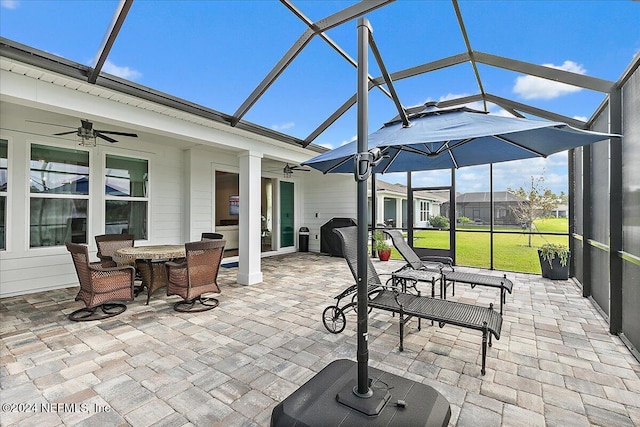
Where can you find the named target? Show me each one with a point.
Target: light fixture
(287, 171)
(86, 137)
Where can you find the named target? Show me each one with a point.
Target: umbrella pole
(364, 31)
(361, 397)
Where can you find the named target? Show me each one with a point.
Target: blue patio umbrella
(453, 138)
(437, 139)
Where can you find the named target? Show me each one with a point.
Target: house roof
(401, 191)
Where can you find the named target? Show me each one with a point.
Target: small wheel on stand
(334, 319)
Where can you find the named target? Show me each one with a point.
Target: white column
(399, 219)
(249, 271)
(380, 210)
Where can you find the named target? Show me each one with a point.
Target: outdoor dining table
(149, 261)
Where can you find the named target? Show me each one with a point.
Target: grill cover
(329, 241)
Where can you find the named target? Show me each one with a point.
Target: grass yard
(511, 250)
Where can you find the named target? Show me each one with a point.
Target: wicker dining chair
(212, 236)
(196, 276)
(103, 288)
(108, 244)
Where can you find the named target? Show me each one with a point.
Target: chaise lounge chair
(448, 275)
(408, 305)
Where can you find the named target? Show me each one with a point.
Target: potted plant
(381, 246)
(554, 261)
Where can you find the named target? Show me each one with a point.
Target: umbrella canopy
(453, 138)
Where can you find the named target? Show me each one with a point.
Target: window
(59, 189)
(126, 193)
(3, 192)
(424, 210)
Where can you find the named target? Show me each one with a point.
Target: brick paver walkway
(554, 365)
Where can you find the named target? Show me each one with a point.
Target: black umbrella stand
(347, 393)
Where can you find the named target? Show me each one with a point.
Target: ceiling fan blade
(50, 124)
(132, 135)
(300, 168)
(105, 137)
(65, 133)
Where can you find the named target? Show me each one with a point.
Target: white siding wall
(24, 269)
(181, 190)
(328, 196)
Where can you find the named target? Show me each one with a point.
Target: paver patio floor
(554, 365)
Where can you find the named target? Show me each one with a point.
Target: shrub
(464, 220)
(439, 221)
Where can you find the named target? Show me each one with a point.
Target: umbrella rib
(337, 165)
(448, 147)
(453, 159)
(397, 153)
(515, 144)
(414, 150)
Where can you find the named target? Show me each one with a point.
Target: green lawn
(511, 250)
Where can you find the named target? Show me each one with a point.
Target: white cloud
(118, 71)
(530, 87)
(9, 4)
(283, 126)
(581, 118)
(346, 141)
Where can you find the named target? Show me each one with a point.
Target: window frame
(31, 196)
(130, 154)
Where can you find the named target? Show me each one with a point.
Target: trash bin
(303, 239)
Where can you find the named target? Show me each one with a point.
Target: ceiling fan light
(86, 140)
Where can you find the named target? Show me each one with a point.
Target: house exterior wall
(183, 153)
(324, 197)
(24, 269)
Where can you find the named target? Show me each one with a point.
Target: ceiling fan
(288, 170)
(88, 134)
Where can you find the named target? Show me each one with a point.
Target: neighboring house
(187, 172)
(477, 207)
(560, 211)
(392, 202)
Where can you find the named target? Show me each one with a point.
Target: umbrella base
(316, 402)
(371, 404)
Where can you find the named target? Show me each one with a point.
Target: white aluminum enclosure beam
(109, 38)
(320, 26)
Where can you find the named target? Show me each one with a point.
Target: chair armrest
(104, 257)
(170, 264)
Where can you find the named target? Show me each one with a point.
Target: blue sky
(216, 52)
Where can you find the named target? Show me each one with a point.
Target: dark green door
(286, 214)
